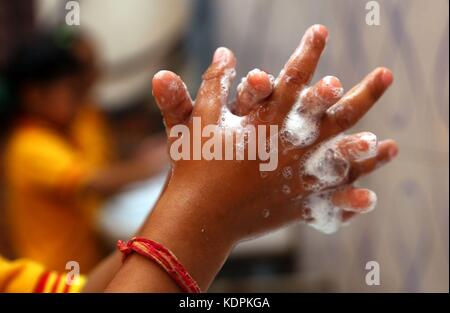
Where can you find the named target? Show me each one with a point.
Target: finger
(347, 216)
(300, 68)
(257, 86)
(386, 151)
(213, 92)
(346, 112)
(318, 98)
(172, 97)
(358, 147)
(358, 200)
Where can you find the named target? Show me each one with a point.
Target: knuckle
(213, 72)
(297, 76)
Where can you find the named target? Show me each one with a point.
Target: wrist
(181, 221)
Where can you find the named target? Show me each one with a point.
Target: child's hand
(315, 170)
(208, 206)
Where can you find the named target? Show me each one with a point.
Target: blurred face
(55, 102)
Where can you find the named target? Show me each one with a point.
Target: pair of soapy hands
(317, 165)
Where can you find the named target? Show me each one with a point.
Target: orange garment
(92, 134)
(49, 221)
(28, 276)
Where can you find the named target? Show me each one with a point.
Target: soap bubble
(266, 213)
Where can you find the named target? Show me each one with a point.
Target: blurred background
(408, 233)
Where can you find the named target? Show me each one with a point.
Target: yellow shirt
(28, 276)
(48, 220)
(91, 132)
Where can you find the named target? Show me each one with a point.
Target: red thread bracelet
(164, 257)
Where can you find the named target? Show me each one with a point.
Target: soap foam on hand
(225, 83)
(360, 146)
(330, 168)
(327, 163)
(327, 217)
(302, 123)
(300, 128)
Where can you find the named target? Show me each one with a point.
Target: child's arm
(208, 206)
(150, 159)
(114, 178)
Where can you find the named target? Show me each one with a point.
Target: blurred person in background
(90, 126)
(52, 176)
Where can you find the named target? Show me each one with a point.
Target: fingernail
(162, 75)
(332, 81)
(372, 144)
(255, 72)
(221, 55)
(321, 30)
(386, 77)
(372, 197)
(393, 151)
